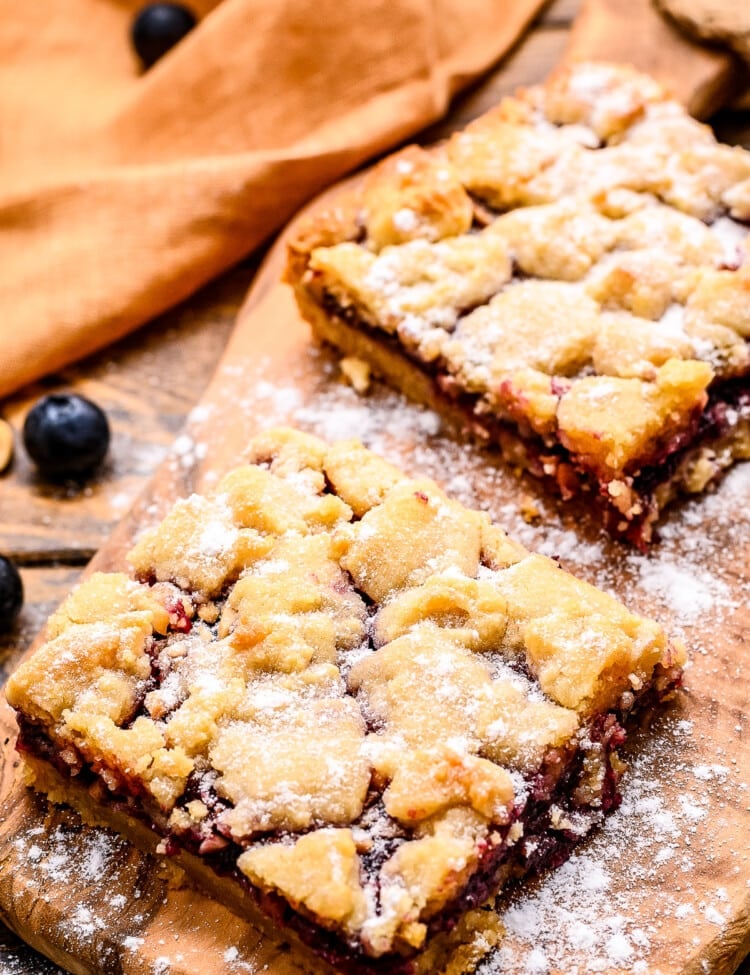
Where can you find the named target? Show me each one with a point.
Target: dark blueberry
(11, 594)
(157, 28)
(66, 435)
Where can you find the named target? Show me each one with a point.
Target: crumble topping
(605, 257)
(357, 726)
(415, 195)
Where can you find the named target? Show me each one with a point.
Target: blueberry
(66, 435)
(11, 593)
(157, 28)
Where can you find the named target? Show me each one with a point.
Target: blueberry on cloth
(157, 28)
(11, 593)
(66, 435)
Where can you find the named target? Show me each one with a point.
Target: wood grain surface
(149, 383)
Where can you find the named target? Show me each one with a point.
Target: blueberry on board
(66, 435)
(11, 593)
(157, 28)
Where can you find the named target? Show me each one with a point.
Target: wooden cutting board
(664, 886)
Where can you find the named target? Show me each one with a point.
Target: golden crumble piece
(103, 663)
(274, 505)
(474, 611)
(477, 713)
(111, 596)
(268, 694)
(425, 782)
(359, 477)
(357, 373)
(414, 194)
(667, 127)
(607, 98)
(300, 579)
(519, 732)
(721, 298)
(198, 546)
(194, 725)
(208, 683)
(286, 645)
(404, 679)
(616, 202)
(425, 873)
(289, 453)
(408, 892)
(323, 228)
(300, 767)
(220, 686)
(496, 158)
(632, 347)
(585, 662)
(612, 423)
(559, 323)
(135, 752)
(613, 644)
(477, 933)
(418, 283)
(536, 585)
(591, 175)
(415, 533)
(640, 282)
(318, 874)
(557, 240)
(722, 347)
(669, 232)
(530, 397)
(498, 550)
(701, 176)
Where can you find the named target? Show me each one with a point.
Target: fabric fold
(123, 192)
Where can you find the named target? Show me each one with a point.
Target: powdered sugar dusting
(99, 874)
(652, 869)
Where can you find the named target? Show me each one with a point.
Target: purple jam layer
(542, 846)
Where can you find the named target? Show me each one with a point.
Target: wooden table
(149, 383)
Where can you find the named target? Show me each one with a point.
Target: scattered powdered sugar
(187, 452)
(689, 591)
(607, 907)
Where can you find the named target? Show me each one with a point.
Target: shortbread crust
(354, 701)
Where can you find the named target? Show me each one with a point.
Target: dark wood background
(148, 384)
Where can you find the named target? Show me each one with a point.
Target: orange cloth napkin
(122, 192)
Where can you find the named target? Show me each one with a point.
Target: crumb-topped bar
(353, 704)
(568, 278)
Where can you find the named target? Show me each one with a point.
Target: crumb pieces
(529, 509)
(357, 373)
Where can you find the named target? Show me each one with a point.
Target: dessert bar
(343, 702)
(567, 278)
